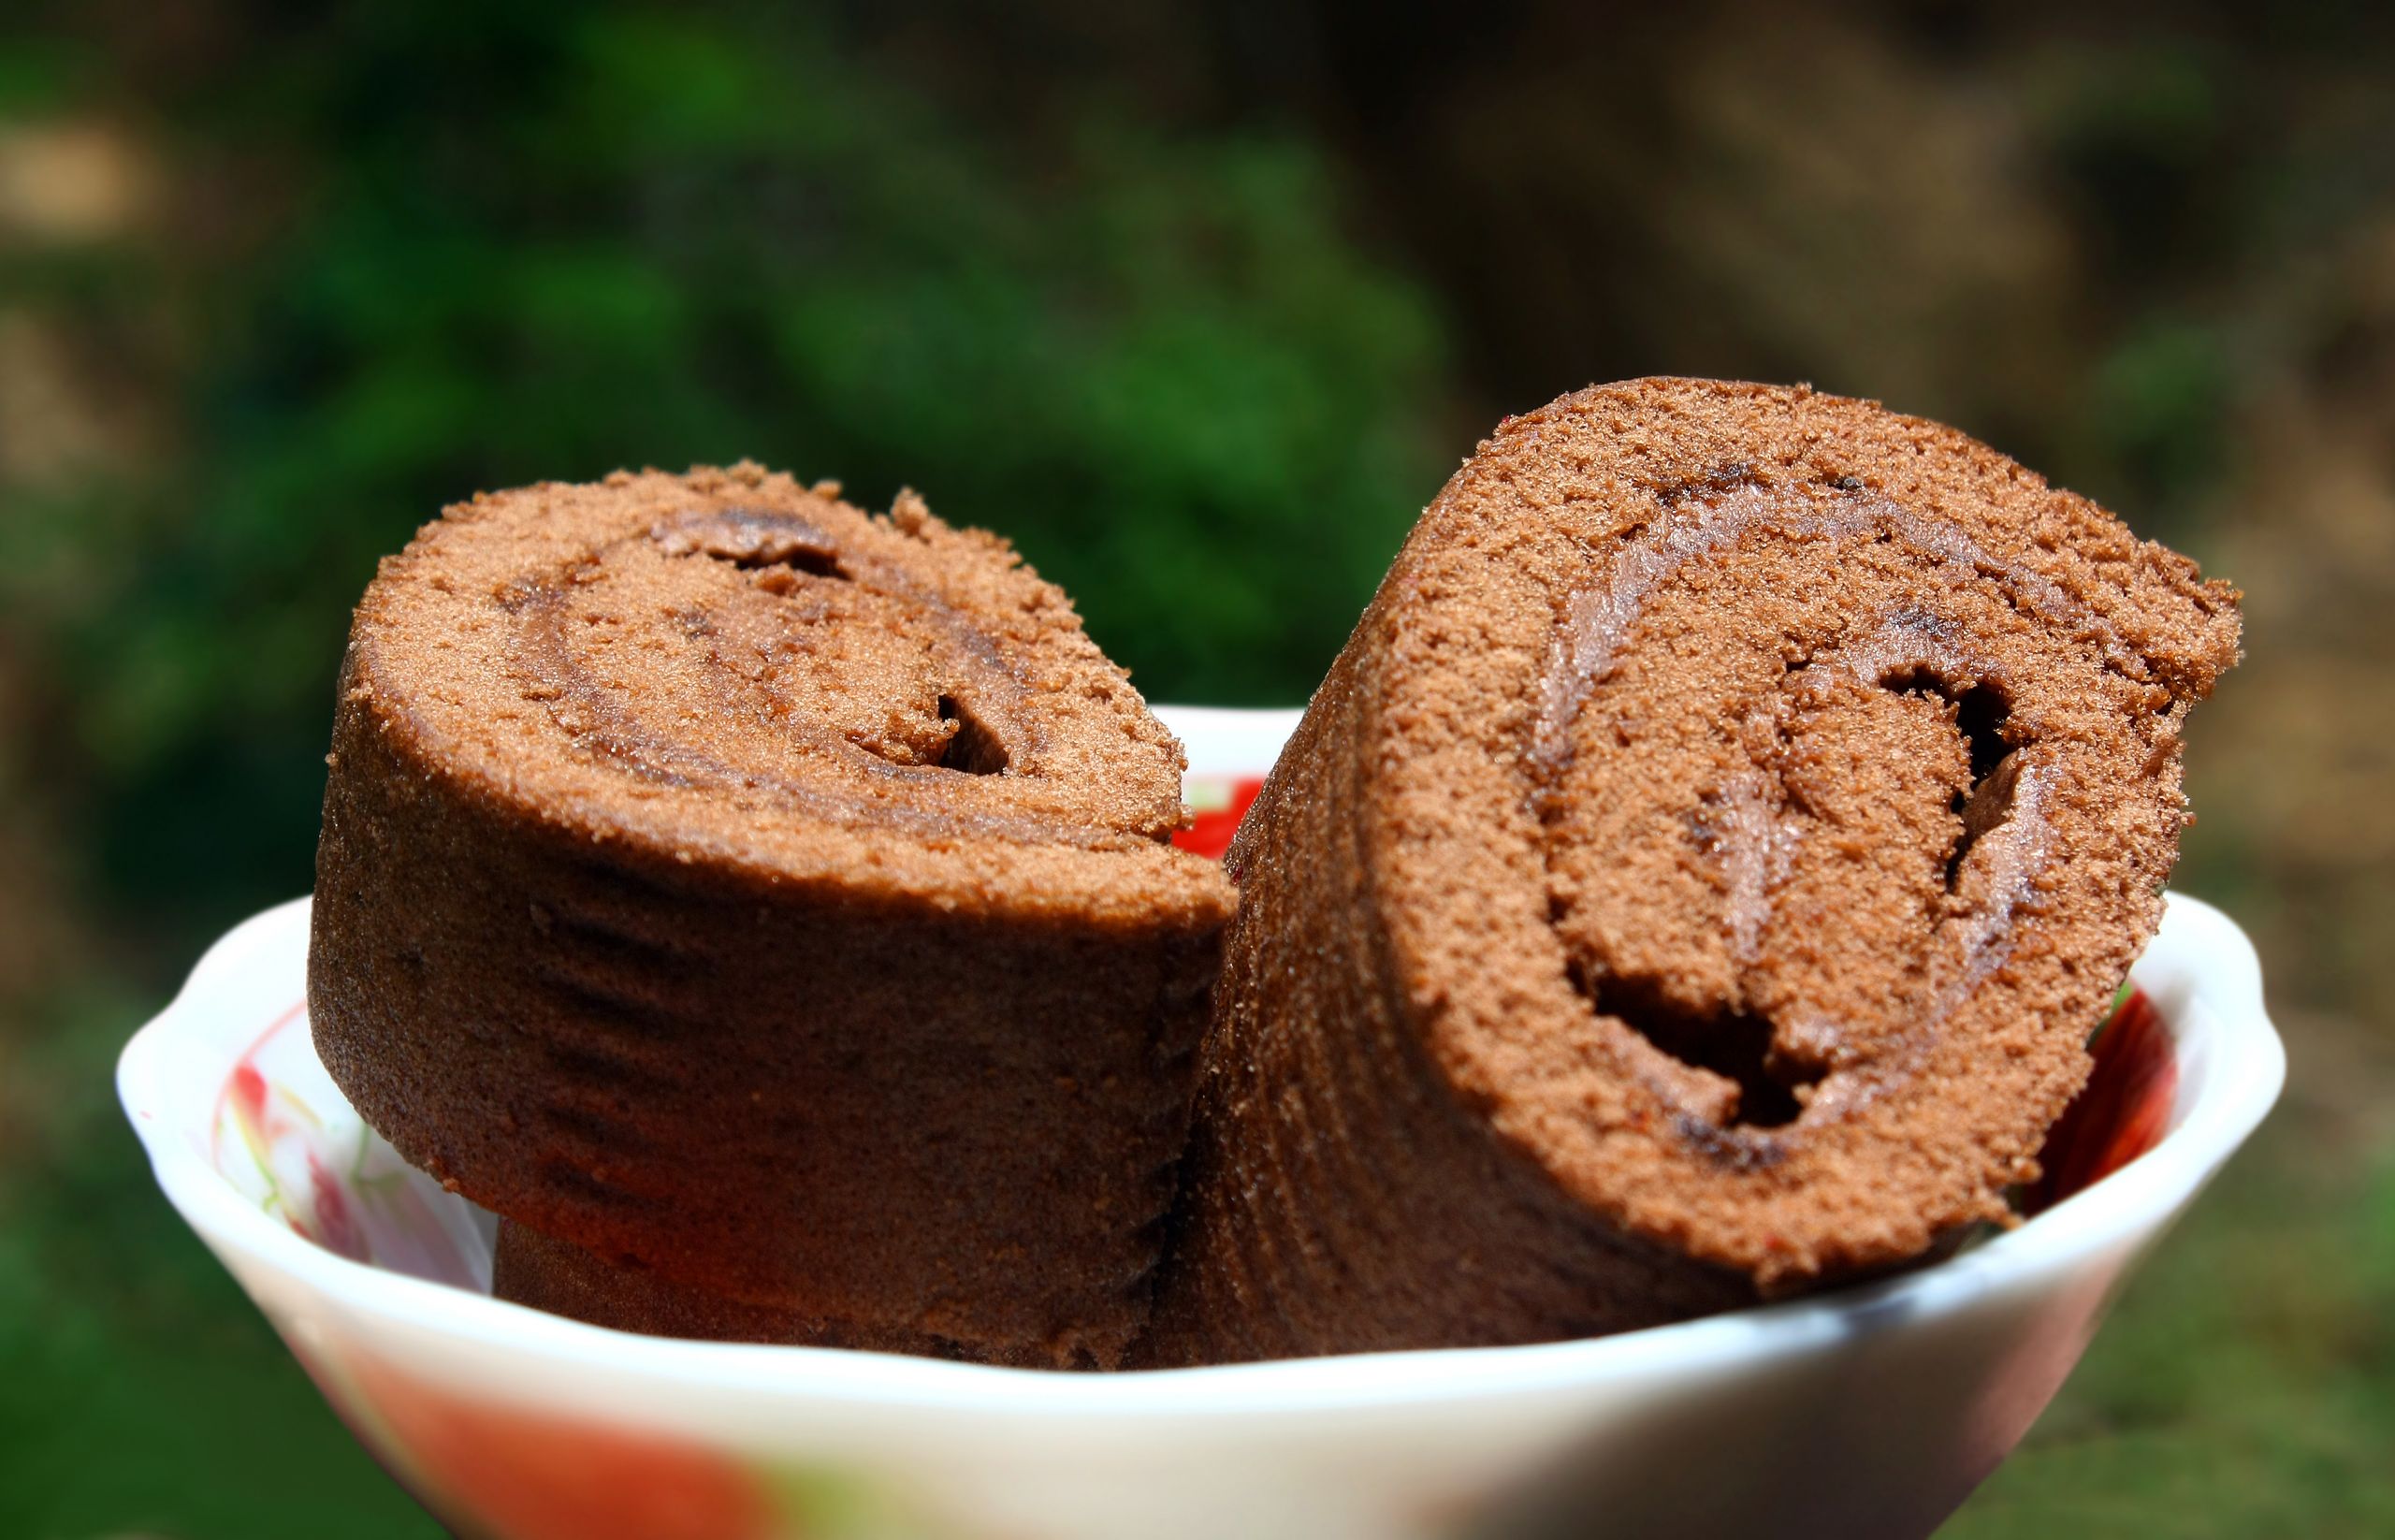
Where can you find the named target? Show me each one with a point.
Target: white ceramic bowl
(1869, 1412)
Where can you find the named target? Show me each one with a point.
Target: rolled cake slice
(772, 902)
(1697, 879)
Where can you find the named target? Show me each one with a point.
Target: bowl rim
(2221, 1021)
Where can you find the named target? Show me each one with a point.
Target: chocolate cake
(770, 909)
(1696, 880)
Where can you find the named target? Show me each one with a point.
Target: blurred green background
(1200, 304)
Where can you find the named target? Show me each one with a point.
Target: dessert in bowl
(1869, 1411)
(1694, 888)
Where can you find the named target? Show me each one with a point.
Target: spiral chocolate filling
(816, 671)
(1697, 877)
(1903, 681)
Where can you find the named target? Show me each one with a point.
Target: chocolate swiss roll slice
(770, 910)
(1696, 880)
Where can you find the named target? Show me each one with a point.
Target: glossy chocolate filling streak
(775, 629)
(1745, 1075)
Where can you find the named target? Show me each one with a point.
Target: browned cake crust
(1698, 877)
(771, 898)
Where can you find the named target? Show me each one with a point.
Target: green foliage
(518, 250)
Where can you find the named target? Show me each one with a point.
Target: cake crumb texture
(1695, 881)
(772, 900)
